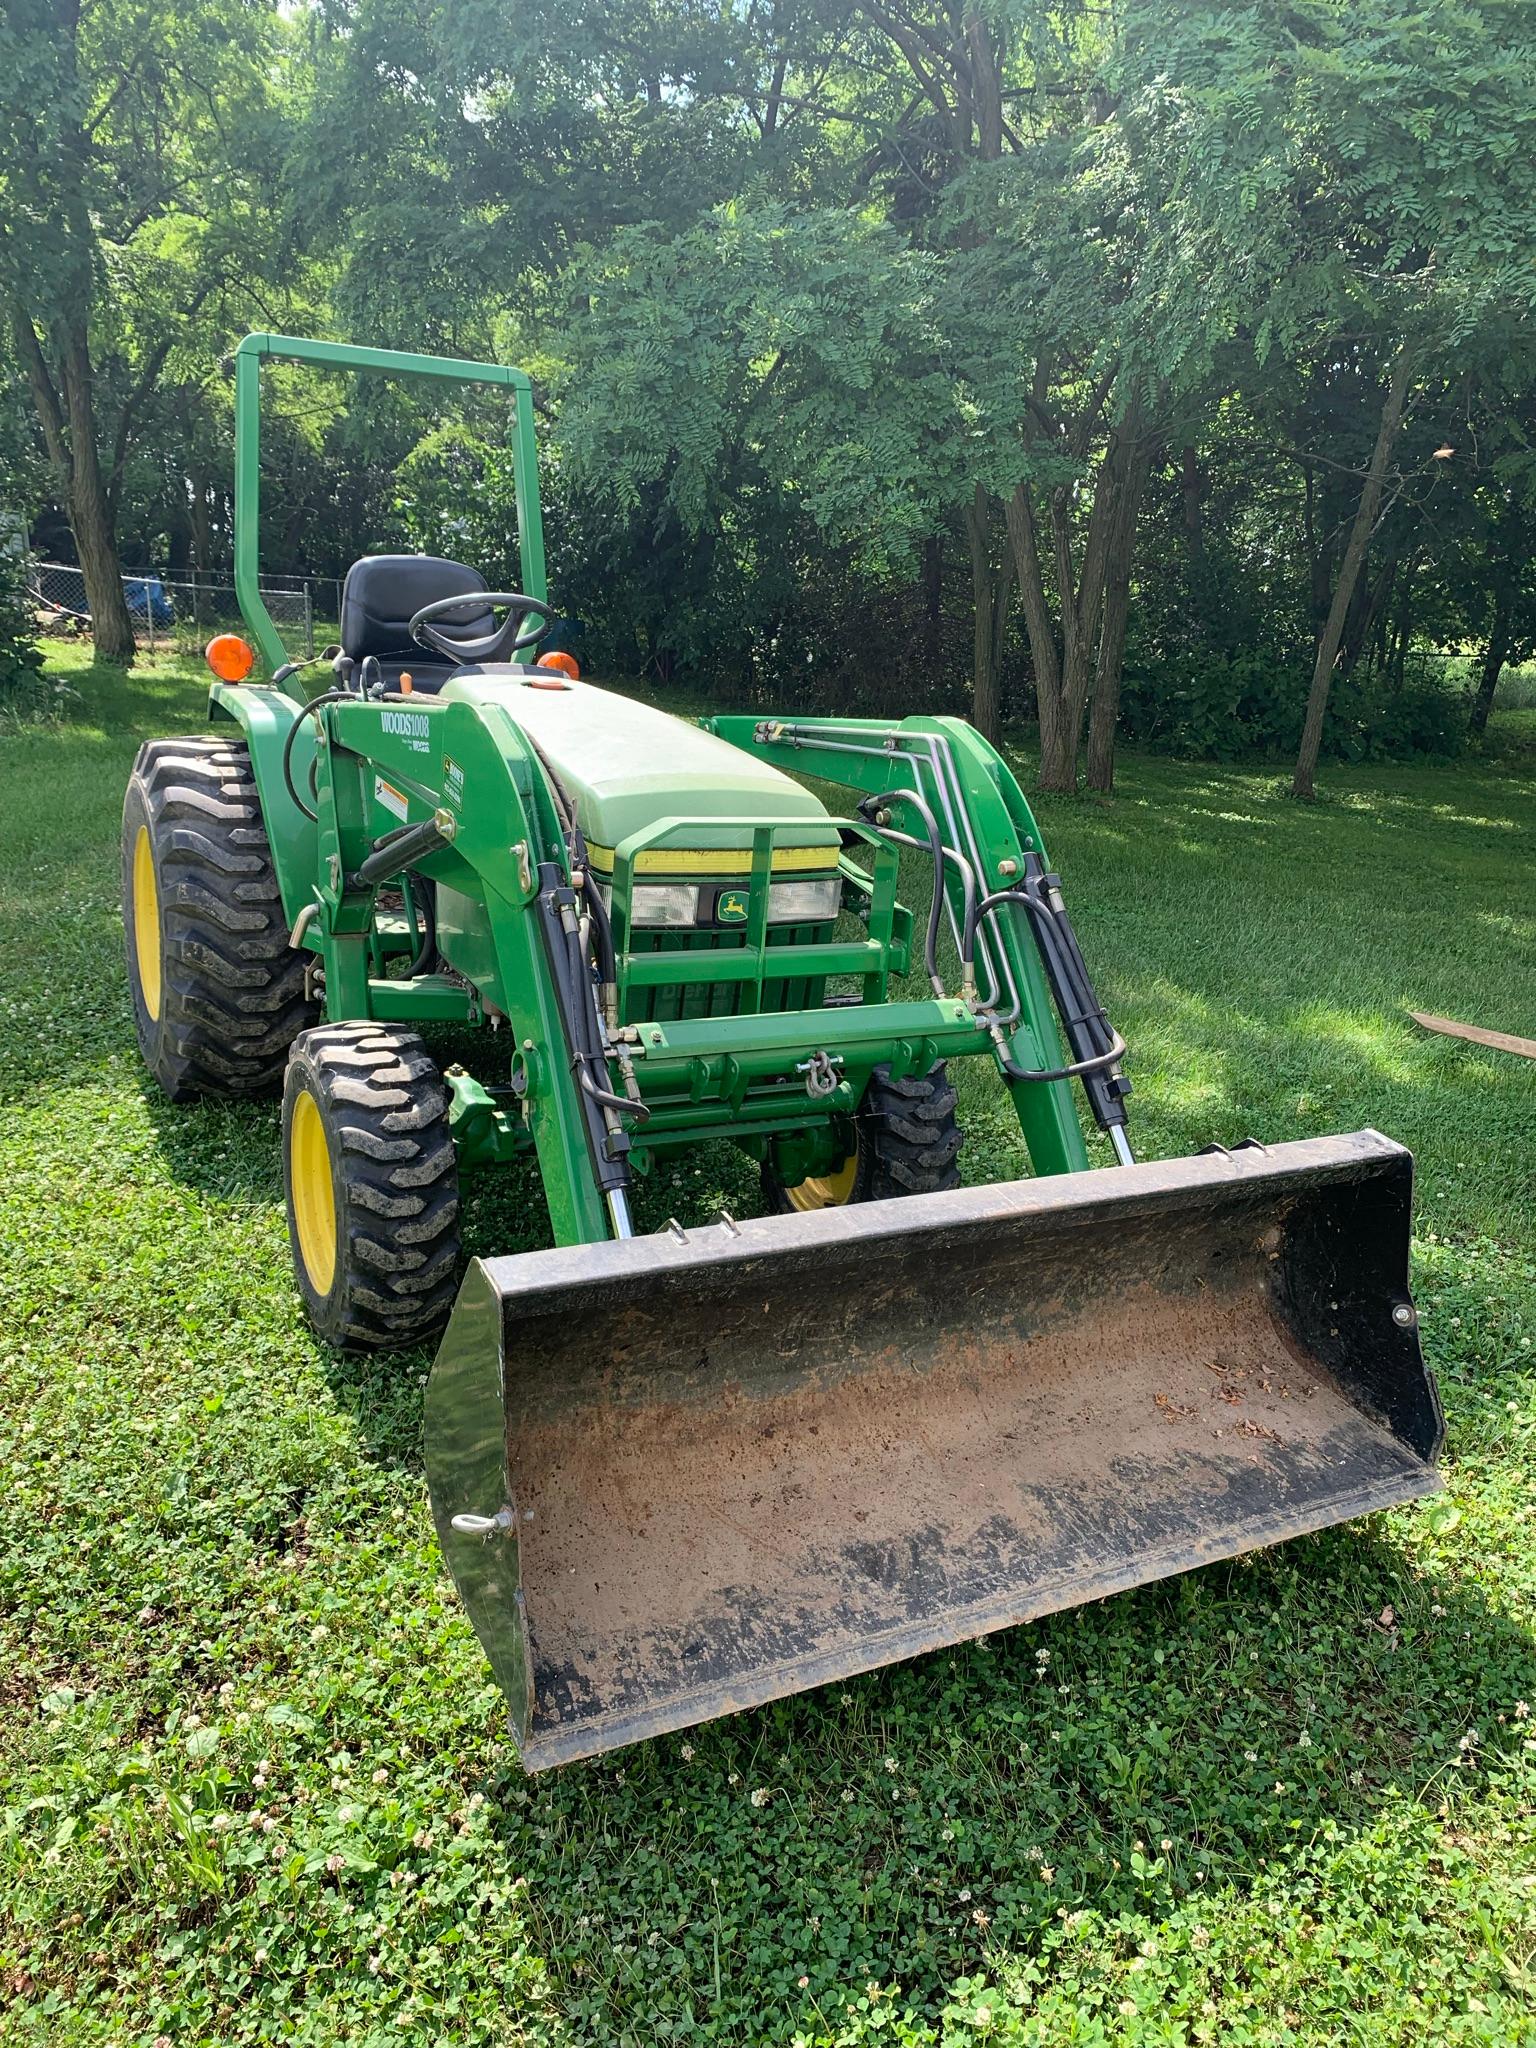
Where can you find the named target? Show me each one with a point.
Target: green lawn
(254, 1782)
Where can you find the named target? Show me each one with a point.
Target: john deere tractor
(675, 1475)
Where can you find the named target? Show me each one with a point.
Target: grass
(254, 1783)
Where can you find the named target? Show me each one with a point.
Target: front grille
(721, 998)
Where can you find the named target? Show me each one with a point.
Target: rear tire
(372, 1186)
(906, 1141)
(218, 993)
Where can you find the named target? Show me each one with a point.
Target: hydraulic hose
(1081, 1011)
(935, 848)
(423, 901)
(314, 704)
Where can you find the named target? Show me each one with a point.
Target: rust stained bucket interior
(758, 1460)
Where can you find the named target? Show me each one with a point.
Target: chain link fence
(183, 614)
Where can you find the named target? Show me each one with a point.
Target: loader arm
(985, 822)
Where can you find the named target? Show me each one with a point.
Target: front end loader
(675, 1475)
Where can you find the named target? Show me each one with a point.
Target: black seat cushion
(383, 593)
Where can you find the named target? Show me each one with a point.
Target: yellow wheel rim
(311, 1192)
(826, 1190)
(146, 922)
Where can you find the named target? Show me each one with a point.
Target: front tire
(906, 1138)
(218, 993)
(372, 1186)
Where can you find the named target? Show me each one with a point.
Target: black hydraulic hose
(1062, 970)
(602, 930)
(314, 704)
(422, 897)
(589, 1053)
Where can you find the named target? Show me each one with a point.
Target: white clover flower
(687, 1752)
(760, 1795)
(891, 1764)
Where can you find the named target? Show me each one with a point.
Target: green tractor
(675, 1475)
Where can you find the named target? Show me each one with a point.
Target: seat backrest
(383, 593)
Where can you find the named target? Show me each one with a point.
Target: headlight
(655, 904)
(805, 902)
(670, 906)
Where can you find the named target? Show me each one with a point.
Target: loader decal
(410, 725)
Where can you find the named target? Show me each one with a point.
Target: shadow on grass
(1159, 1749)
(1133, 1760)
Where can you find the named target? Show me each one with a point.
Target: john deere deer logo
(731, 906)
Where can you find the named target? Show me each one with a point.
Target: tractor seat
(383, 593)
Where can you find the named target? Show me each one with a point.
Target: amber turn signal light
(567, 664)
(230, 657)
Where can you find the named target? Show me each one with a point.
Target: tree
(1367, 175)
(763, 380)
(135, 218)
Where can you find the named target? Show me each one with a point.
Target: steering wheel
(508, 639)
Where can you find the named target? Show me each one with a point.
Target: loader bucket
(730, 1466)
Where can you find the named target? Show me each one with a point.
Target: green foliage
(25, 692)
(789, 300)
(255, 1785)
(1220, 707)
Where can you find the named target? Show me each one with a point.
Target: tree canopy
(1142, 368)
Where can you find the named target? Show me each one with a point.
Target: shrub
(1219, 706)
(26, 694)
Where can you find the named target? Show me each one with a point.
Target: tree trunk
(932, 593)
(201, 529)
(1303, 783)
(1494, 657)
(991, 594)
(1064, 670)
(1190, 491)
(1105, 716)
(65, 402)
(1370, 592)
(90, 519)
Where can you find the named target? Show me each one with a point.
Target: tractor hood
(628, 765)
